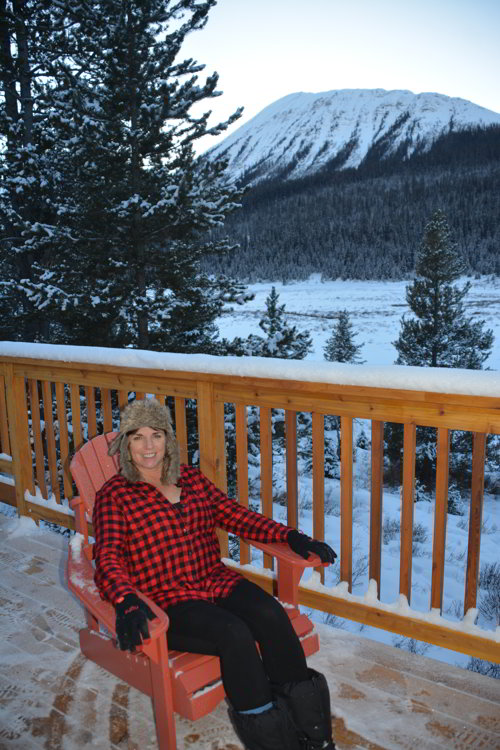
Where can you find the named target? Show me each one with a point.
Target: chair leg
(163, 706)
(92, 622)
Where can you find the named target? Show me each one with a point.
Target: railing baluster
(212, 444)
(475, 519)
(37, 436)
(377, 469)
(181, 427)
(122, 399)
(107, 410)
(440, 518)
(346, 500)
(242, 469)
(406, 556)
(318, 475)
(76, 416)
(220, 446)
(291, 468)
(63, 439)
(266, 468)
(91, 412)
(50, 439)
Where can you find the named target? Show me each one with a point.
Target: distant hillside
(302, 133)
(365, 220)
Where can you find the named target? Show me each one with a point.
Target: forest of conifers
(367, 223)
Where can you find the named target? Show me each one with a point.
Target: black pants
(229, 629)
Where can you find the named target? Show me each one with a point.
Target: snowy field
(375, 310)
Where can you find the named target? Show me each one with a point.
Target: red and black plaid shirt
(170, 552)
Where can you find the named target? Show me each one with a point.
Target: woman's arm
(111, 576)
(233, 517)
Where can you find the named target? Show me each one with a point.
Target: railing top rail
(475, 383)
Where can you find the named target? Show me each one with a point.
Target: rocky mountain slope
(303, 133)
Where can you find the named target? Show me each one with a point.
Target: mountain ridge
(303, 133)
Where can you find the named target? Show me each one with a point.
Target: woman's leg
(280, 647)
(205, 628)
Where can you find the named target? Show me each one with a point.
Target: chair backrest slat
(91, 467)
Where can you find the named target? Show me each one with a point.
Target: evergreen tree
(440, 333)
(28, 47)
(282, 340)
(126, 208)
(340, 347)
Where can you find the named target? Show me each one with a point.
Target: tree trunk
(24, 71)
(7, 69)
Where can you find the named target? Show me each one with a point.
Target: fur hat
(147, 412)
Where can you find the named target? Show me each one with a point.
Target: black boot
(309, 706)
(271, 730)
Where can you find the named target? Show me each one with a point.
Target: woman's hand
(132, 615)
(303, 545)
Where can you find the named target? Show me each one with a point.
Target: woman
(154, 526)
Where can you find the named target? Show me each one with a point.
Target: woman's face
(147, 448)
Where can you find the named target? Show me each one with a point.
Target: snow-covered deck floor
(51, 698)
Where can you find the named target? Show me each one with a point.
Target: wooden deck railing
(55, 398)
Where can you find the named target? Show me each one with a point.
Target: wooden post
(17, 411)
(4, 427)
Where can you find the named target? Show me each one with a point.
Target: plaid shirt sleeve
(111, 576)
(237, 519)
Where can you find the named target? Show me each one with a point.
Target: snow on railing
(432, 379)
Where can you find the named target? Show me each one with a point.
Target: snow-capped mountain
(301, 133)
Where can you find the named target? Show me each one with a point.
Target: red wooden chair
(189, 684)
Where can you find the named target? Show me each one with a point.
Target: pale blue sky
(266, 49)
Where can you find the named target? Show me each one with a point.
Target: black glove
(132, 615)
(303, 544)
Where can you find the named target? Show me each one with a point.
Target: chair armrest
(80, 577)
(282, 551)
(77, 504)
(290, 568)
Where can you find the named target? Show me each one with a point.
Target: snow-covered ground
(53, 698)
(375, 310)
